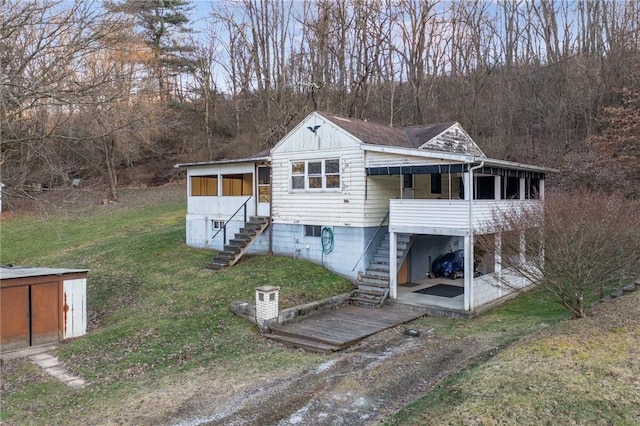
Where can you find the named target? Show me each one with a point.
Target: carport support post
(393, 265)
(497, 266)
(468, 271)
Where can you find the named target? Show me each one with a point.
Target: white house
(370, 202)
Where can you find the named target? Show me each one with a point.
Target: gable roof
(420, 135)
(369, 132)
(447, 141)
(445, 137)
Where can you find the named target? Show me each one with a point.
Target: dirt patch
(361, 385)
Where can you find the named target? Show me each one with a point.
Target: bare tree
(588, 243)
(43, 82)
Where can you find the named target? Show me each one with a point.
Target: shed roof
(260, 156)
(12, 272)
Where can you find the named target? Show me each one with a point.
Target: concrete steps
(373, 287)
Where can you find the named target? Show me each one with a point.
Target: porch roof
(451, 163)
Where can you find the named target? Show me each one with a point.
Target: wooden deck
(339, 328)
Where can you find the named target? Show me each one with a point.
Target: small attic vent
(342, 119)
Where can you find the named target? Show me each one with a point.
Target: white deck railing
(450, 217)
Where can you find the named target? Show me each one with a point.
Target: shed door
(14, 318)
(44, 313)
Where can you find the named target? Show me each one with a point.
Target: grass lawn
(153, 311)
(161, 332)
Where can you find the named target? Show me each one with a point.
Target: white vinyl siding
(451, 217)
(380, 189)
(342, 206)
(326, 137)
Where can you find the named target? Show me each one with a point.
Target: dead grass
(584, 371)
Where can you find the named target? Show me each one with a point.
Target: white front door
(264, 191)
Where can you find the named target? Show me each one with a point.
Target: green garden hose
(327, 240)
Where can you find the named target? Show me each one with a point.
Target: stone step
(368, 293)
(373, 286)
(379, 265)
(378, 258)
(375, 279)
(378, 272)
(386, 246)
(361, 301)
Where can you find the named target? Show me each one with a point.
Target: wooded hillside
(91, 89)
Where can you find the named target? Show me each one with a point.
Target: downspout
(270, 208)
(469, 267)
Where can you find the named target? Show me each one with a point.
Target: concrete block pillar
(266, 304)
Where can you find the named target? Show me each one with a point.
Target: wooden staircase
(373, 287)
(238, 245)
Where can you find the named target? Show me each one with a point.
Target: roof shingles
(406, 137)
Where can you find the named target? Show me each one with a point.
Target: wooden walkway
(339, 328)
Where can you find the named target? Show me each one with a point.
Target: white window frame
(307, 176)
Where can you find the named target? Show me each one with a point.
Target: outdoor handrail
(224, 226)
(371, 240)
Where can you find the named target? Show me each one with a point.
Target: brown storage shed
(41, 305)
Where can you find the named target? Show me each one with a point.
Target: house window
(237, 184)
(204, 186)
(312, 230)
(485, 188)
(533, 189)
(315, 174)
(264, 184)
(511, 188)
(436, 183)
(216, 224)
(407, 181)
(297, 174)
(332, 173)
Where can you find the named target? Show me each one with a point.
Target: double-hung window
(315, 174)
